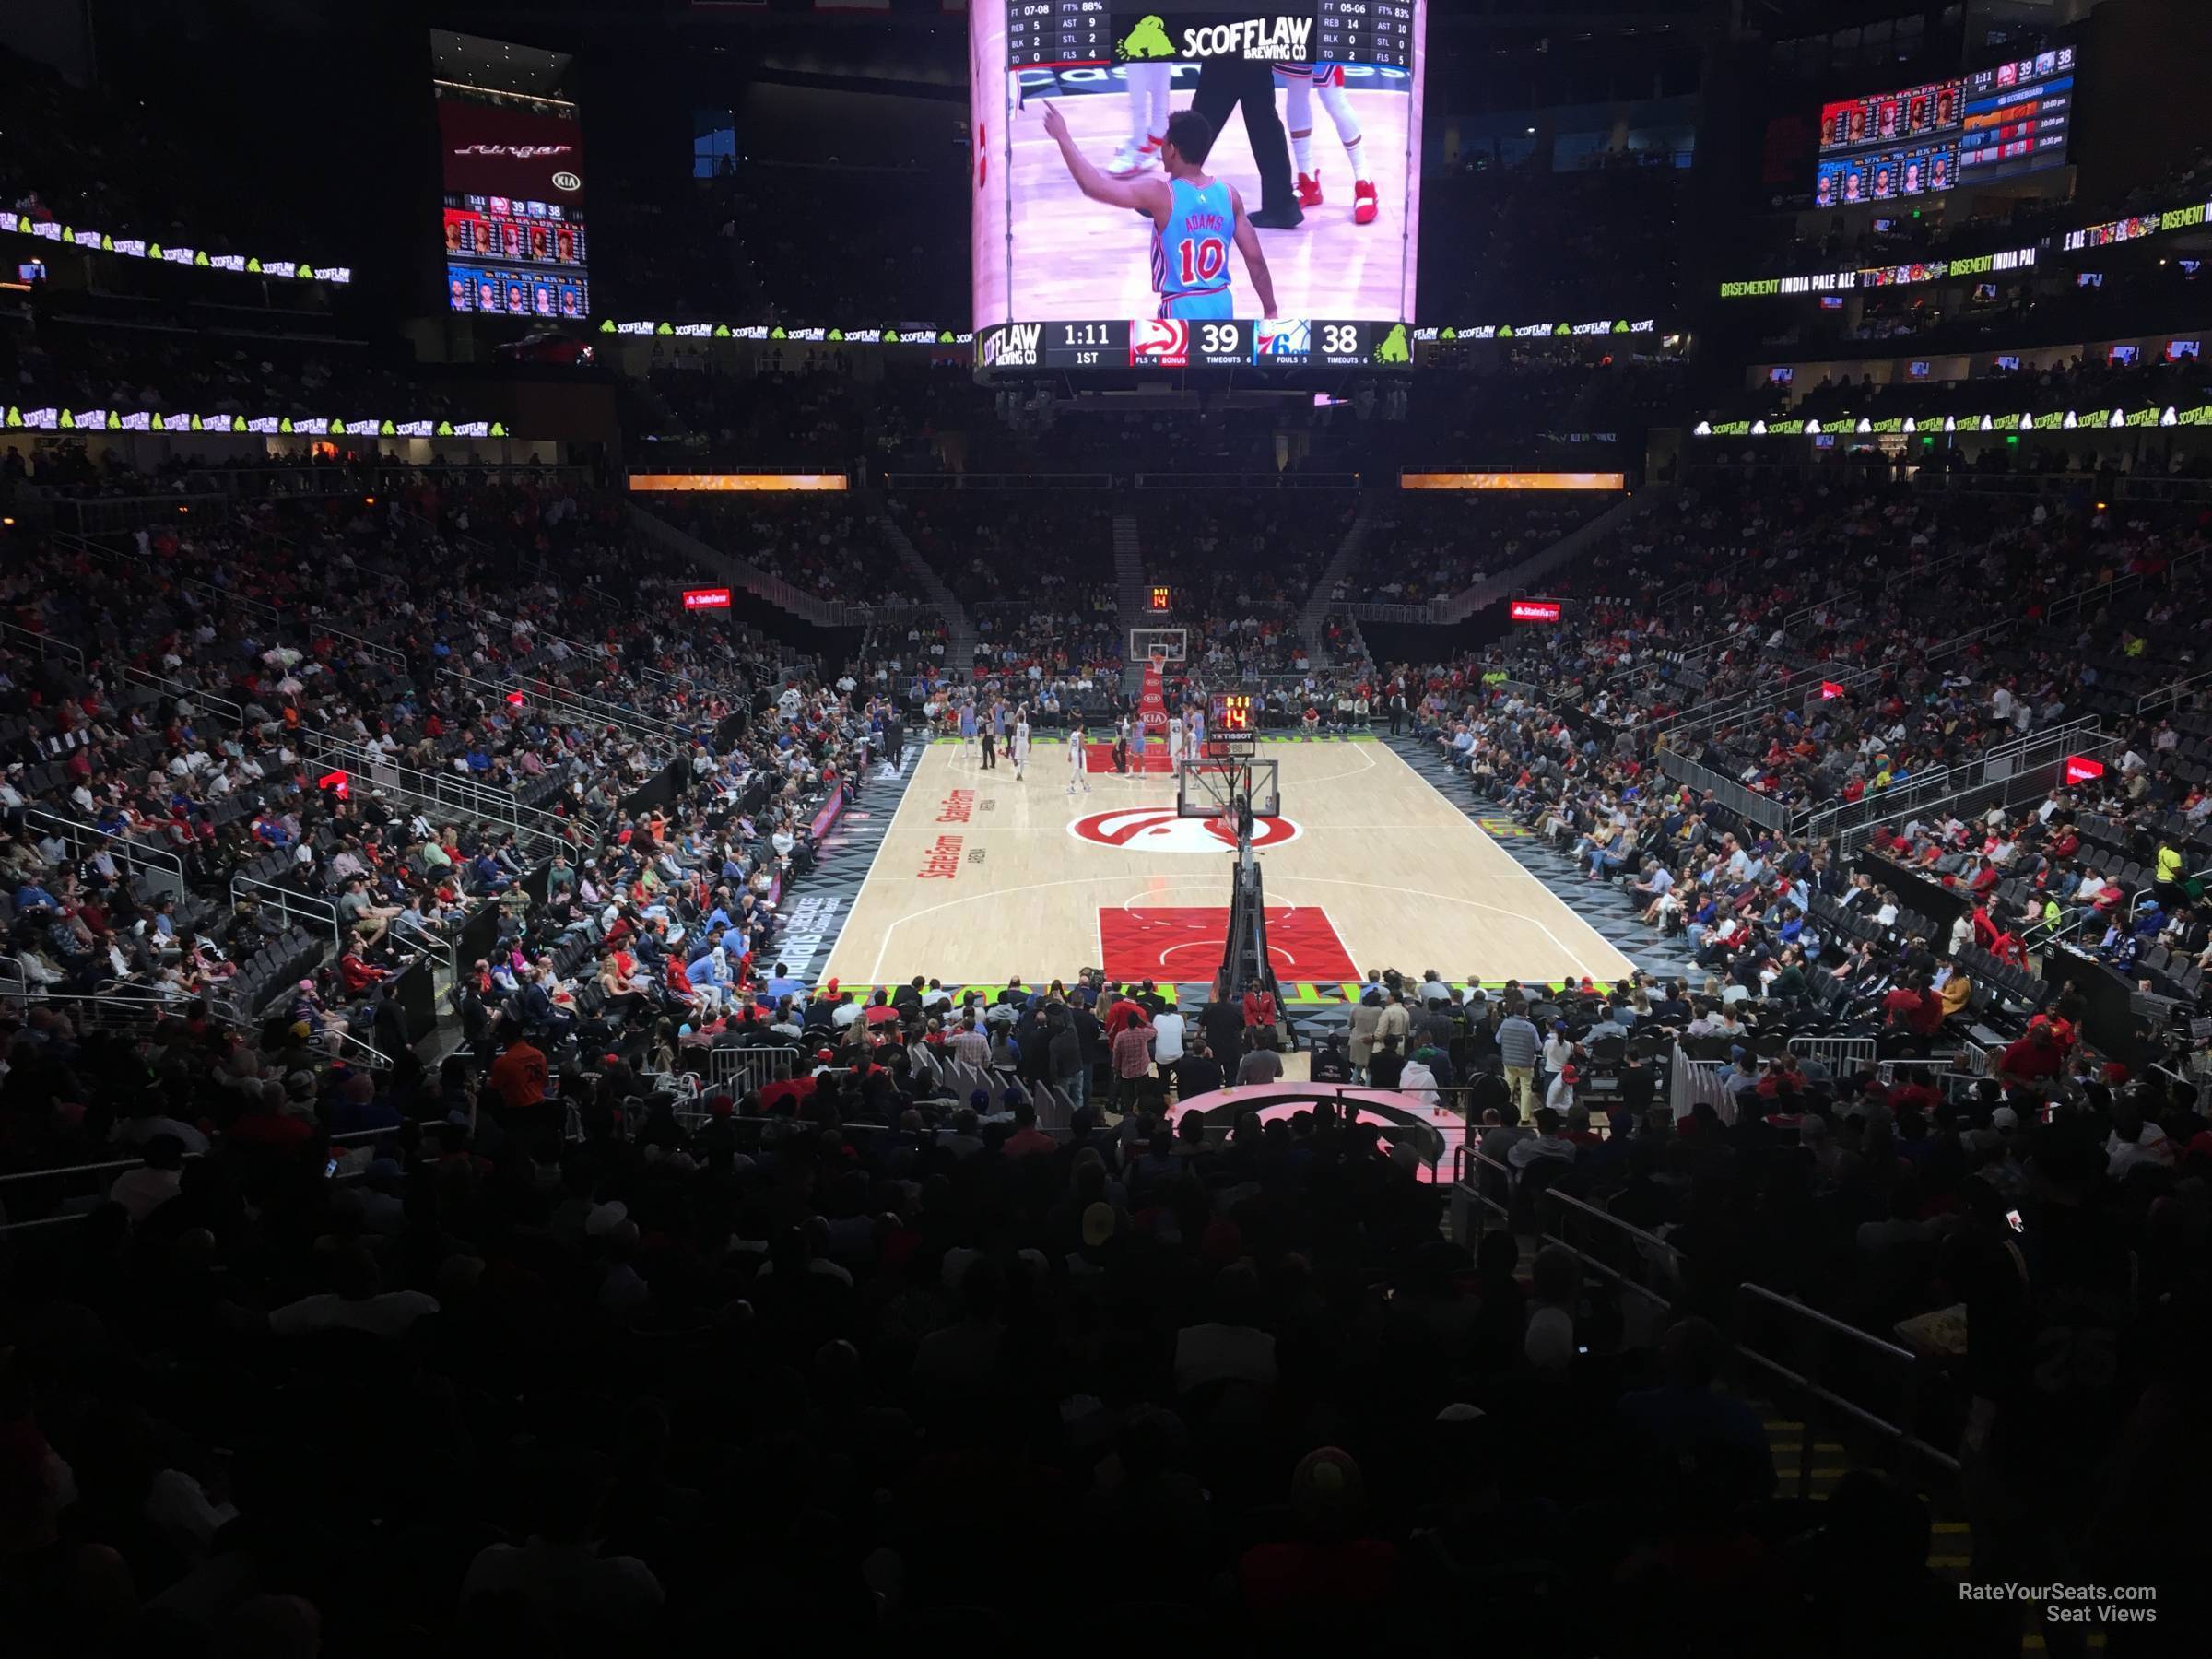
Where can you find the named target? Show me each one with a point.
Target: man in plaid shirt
(1132, 1062)
(970, 1046)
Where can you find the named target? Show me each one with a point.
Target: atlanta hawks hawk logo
(1157, 829)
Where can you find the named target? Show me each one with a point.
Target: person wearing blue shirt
(781, 984)
(478, 762)
(31, 896)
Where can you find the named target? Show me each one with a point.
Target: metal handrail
(1979, 796)
(343, 1137)
(2127, 581)
(43, 643)
(453, 794)
(155, 863)
(310, 910)
(1903, 1437)
(1468, 1159)
(2168, 695)
(222, 707)
(567, 708)
(1924, 787)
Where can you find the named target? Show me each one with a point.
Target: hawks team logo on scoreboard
(1158, 830)
(1160, 342)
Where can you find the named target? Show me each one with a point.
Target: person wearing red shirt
(1985, 930)
(2035, 1058)
(1122, 1014)
(680, 979)
(355, 974)
(1027, 1140)
(1908, 1006)
(275, 1130)
(518, 1076)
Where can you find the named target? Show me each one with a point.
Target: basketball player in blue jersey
(1195, 218)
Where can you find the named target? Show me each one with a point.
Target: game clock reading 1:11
(1092, 221)
(1172, 343)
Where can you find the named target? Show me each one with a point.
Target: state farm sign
(706, 599)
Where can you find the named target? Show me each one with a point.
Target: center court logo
(1158, 830)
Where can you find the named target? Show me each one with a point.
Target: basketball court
(979, 878)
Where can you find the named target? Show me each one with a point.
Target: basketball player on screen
(1148, 85)
(1302, 82)
(1193, 217)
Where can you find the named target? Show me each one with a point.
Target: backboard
(1208, 789)
(1173, 644)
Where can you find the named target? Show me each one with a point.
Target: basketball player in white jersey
(1021, 741)
(1148, 85)
(1079, 768)
(1175, 739)
(1301, 83)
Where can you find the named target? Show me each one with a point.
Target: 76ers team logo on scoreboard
(1159, 343)
(1158, 830)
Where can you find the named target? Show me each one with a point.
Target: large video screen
(1994, 123)
(1217, 184)
(514, 231)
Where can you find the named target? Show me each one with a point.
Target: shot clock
(1229, 724)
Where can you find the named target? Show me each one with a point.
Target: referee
(1223, 84)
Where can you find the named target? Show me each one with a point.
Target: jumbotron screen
(1212, 185)
(514, 234)
(1996, 123)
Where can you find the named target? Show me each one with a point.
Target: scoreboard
(1180, 342)
(1364, 32)
(1058, 33)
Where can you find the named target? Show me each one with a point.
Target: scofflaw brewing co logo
(1158, 830)
(1265, 39)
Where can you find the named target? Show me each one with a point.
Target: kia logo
(567, 181)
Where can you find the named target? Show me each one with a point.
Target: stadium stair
(1542, 566)
(1129, 569)
(1313, 620)
(737, 572)
(1601, 904)
(960, 631)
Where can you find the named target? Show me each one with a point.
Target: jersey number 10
(1203, 259)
